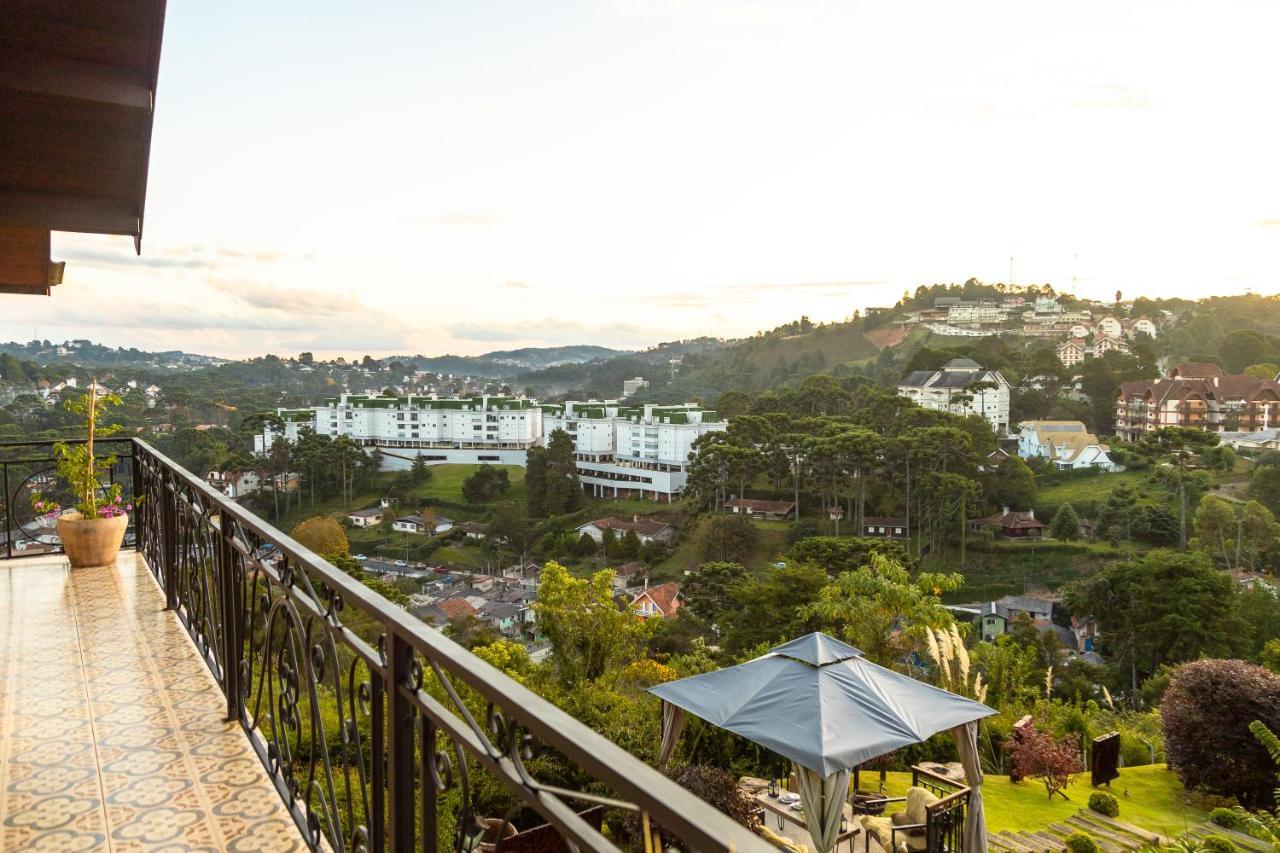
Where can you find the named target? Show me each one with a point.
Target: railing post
(169, 541)
(8, 514)
(426, 783)
(232, 645)
(135, 464)
(400, 732)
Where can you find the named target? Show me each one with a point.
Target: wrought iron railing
(27, 468)
(378, 732)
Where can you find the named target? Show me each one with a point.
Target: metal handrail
(249, 615)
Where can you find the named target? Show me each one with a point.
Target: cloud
(1110, 96)
(515, 285)
(313, 303)
(1269, 223)
(459, 219)
(556, 332)
(115, 259)
(747, 293)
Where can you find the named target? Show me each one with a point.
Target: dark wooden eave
(77, 100)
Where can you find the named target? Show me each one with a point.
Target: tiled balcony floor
(111, 727)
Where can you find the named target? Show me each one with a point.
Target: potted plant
(93, 530)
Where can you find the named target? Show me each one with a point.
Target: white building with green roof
(631, 451)
(444, 429)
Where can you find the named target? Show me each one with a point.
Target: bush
(710, 784)
(1206, 714)
(323, 535)
(1217, 844)
(1104, 804)
(1082, 842)
(1225, 818)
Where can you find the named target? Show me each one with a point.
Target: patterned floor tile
(112, 733)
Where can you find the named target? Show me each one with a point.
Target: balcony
(222, 687)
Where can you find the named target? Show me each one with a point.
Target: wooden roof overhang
(77, 99)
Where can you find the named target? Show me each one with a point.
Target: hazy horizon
(462, 178)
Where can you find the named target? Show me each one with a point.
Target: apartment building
(631, 451)
(442, 429)
(1197, 396)
(962, 387)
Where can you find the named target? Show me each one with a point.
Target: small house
(769, 510)
(662, 601)
(365, 517)
(884, 527)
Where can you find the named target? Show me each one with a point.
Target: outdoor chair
(500, 837)
(931, 821)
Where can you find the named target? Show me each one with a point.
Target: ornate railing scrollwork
(375, 729)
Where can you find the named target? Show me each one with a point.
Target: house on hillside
(993, 618)
(884, 527)
(769, 510)
(1067, 444)
(1011, 525)
(365, 517)
(961, 387)
(410, 524)
(662, 601)
(474, 529)
(645, 529)
(1197, 395)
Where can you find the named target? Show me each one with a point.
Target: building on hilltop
(1067, 444)
(631, 451)
(962, 387)
(1197, 396)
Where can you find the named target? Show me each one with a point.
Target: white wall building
(631, 387)
(1067, 444)
(478, 429)
(631, 451)
(954, 389)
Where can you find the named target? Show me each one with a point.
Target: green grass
(1095, 489)
(446, 483)
(772, 542)
(1150, 797)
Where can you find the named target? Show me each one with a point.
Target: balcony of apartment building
(222, 687)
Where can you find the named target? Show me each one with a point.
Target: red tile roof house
(662, 600)
(646, 529)
(1011, 525)
(772, 510)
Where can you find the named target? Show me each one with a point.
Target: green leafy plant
(1225, 818)
(82, 468)
(1104, 804)
(1217, 844)
(1081, 842)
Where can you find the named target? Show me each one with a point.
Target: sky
(432, 177)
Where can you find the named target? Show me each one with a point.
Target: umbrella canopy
(820, 703)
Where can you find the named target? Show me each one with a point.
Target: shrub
(1206, 714)
(323, 535)
(1082, 842)
(1103, 803)
(713, 786)
(1036, 754)
(1217, 844)
(1225, 818)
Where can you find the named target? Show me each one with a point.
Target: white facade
(467, 423)
(631, 387)
(1067, 444)
(631, 450)
(953, 389)
(1111, 326)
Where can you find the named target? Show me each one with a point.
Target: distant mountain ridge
(503, 363)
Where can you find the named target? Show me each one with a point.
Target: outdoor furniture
(782, 814)
(820, 703)
(500, 835)
(931, 822)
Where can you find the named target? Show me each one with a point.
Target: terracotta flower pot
(91, 541)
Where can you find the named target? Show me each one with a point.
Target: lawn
(1091, 489)
(1150, 797)
(772, 542)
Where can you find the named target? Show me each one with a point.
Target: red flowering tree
(1036, 754)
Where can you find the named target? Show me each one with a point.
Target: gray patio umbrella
(820, 703)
